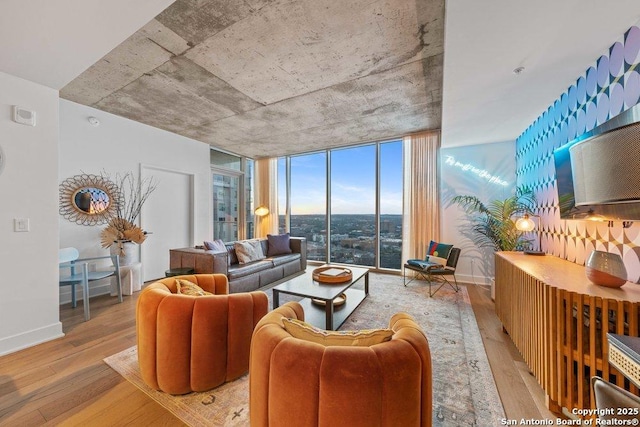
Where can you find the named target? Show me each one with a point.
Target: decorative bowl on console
(606, 269)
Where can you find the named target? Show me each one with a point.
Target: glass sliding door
(248, 199)
(390, 227)
(232, 178)
(225, 206)
(309, 202)
(353, 205)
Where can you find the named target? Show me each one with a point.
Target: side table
(130, 277)
(624, 355)
(179, 271)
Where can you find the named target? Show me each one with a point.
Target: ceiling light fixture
(518, 71)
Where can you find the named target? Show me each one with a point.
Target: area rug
(464, 392)
(227, 405)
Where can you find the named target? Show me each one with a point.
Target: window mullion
(377, 210)
(328, 204)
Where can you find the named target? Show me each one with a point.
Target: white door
(168, 215)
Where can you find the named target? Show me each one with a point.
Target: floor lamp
(261, 229)
(526, 224)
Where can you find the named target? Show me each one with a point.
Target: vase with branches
(493, 224)
(121, 227)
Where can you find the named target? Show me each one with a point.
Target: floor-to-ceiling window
(282, 194)
(232, 178)
(308, 202)
(353, 205)
(248, 198)
(363, 197)
(390, 226)
(225, 206)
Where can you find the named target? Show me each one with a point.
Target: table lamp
(526, 224)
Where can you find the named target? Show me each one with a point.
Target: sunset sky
(352, 181)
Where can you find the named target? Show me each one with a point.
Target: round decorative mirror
(91, 200)
(88, 199)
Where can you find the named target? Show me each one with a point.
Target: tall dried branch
(133, 193)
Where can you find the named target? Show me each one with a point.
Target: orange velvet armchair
(195, 343)
(297, 382)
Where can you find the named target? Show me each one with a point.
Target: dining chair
(609, 396)
(75, 271)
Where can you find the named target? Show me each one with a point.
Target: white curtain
(421, 211)
(266, 194)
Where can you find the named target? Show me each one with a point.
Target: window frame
(242, 185)
(377, 214)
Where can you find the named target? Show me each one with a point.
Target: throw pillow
(437, 260)
(362, 338)
(278, 244)
(217, 245)
(233, 258)
(248, 251)
(186, 287)
(439, 250)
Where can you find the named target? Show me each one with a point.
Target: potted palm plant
(493, 224)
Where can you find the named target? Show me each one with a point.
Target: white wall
(476, 265)
(29, 312)
(120, 145)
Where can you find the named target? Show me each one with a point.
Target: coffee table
(328, 316)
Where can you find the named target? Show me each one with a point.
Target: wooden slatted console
(559, 322)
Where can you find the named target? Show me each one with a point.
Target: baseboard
(30, 338)
(94, 291)
(473, 280)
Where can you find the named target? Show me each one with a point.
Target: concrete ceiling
(287, 76)
(274, 77)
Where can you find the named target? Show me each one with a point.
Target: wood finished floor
(65, 382)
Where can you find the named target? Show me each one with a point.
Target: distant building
(387, 226)
(353, 238)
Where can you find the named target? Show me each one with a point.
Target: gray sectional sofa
(243, 277)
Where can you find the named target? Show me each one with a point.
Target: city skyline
(352, 238)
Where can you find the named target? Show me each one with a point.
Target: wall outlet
(21, 224)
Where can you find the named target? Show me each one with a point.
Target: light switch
(20, 224)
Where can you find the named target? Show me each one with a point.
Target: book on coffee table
(333, 272)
